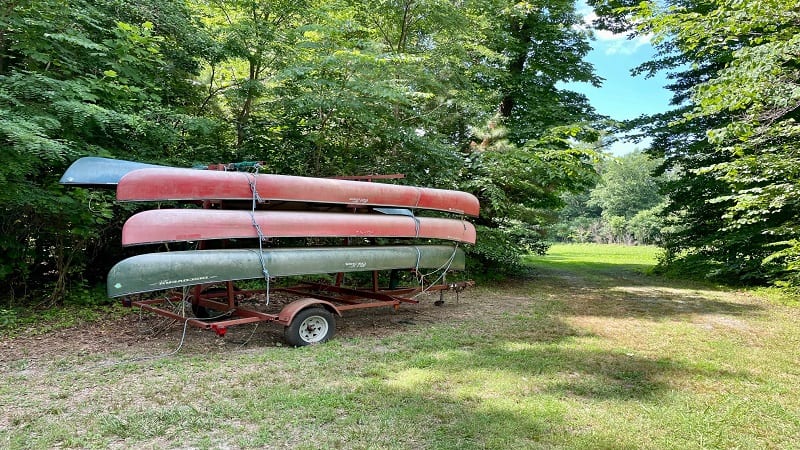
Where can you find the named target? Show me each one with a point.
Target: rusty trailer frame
(308, 320)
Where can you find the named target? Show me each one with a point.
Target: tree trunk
(244, 114)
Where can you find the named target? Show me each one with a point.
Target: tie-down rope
(444, 268)
(252, 180)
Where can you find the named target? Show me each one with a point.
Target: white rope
(252, 179)
(444, 268)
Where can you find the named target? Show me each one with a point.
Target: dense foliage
(732, 140)
(454, 96)
(105, 78)
(623, 207)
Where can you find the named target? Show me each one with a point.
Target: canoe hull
(162, 184)
(157, 271)
(180, 225)
(93, 171)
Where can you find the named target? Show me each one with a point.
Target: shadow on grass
(514, 388)
(547, 349)
(450, 391)
(457, 423)
(614, 290)
(651, 303)
(478, 388)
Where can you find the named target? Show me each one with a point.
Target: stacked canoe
(262, 206)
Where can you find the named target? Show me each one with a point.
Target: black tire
(201, 312)
(310, 326)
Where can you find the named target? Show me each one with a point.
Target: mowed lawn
(587, 352)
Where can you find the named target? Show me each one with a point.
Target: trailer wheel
(310, 326)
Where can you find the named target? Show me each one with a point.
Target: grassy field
(587, 353)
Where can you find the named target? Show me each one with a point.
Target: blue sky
(622, 96)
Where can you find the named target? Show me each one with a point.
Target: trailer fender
(292, 309)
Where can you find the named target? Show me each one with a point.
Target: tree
(647, 226)
(80, 78)
(627, 185)
(542, 48)
(325, 87)
(521, 189)
(620, 207)
(406, 85)
(528, 154)
(736, 197)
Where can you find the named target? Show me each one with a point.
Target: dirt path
(144, 335)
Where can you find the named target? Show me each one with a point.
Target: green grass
(82, 306)
(590, 353)
(598, 256)
(603, 253)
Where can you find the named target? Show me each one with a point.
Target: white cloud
(613, 43)
(625, 46)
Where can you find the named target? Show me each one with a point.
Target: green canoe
(157, 271)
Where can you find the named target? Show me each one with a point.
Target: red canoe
(157, 184)
(178, 225)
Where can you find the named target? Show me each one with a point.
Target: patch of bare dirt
(144, 335)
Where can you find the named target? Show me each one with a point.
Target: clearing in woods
(586, 352)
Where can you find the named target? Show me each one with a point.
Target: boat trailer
(308, 320)
(311, 318)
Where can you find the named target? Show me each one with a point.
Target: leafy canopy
(458, 96)
(734, 140)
